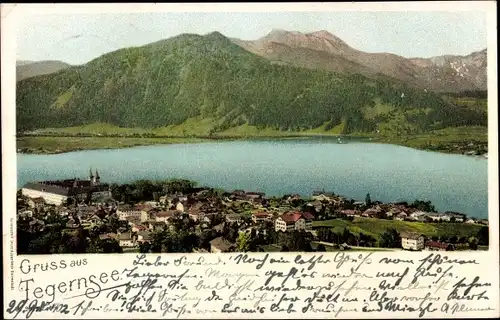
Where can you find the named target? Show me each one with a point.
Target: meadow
(376, 227)
(105, 136)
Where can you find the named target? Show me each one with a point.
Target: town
(87, 216)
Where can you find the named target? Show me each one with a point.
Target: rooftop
(262, 214)
(146, 235)
(222, 244)
(68, 187)
(166, 214)
(292, 217)
(327, 194)
(125, 236)
(437, 244)
(107, 236)
(410, 235)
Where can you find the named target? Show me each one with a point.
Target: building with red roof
(262, 217)
(438, 246)
(290, 221)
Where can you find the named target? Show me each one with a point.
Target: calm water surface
(387, 172)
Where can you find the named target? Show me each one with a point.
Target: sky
(79, 38)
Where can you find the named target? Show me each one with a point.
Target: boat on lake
(341, 141)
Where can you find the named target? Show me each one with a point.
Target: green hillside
(376, 227)
(170, 86)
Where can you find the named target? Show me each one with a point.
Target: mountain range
(285, 81)
(27, 69)
(322, 50)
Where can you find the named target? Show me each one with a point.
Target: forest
(209, 77)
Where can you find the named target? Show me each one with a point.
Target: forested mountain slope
(211, 77)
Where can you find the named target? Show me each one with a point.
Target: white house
(26, 213)
(199, 216)
(124, 212)
(438, 217)
(179, 206)
(401, 216)
(419, 215)
(36, 203)
(412, 241)
(458, 217)
(322, 196)
(95, 220)
(234, 218)
(262, 217)
(147, 212)
(126, 240)
(144, 236)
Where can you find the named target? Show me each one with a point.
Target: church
(57, 192)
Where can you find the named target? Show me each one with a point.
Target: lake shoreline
(54, 144)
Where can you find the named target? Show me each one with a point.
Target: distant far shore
(55, 143)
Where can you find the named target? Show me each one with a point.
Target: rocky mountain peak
(323, 34)
(323, 50)
(321, 40)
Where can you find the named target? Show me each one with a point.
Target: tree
(205, 238)
(310, 209)
(111, 246)
(178, 185)
(88, 198)
(390, 239)
(243, 242)
(113, 224)
(483, 236)
(296, 241)
(69, 202)
(74, 243)
(463, 240)
(230, 231)
(321, 248)
(156, 196)
(368, 200)
(473, 243)
(94, 247)
(426, 206)
(161, 241)
(188, 241)
(453, 239)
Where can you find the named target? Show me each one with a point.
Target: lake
(277, 167)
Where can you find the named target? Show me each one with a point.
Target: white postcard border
(489, 260)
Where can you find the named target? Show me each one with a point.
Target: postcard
(277, 160)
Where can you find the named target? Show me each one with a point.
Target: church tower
(91, 177)
(97, 179)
